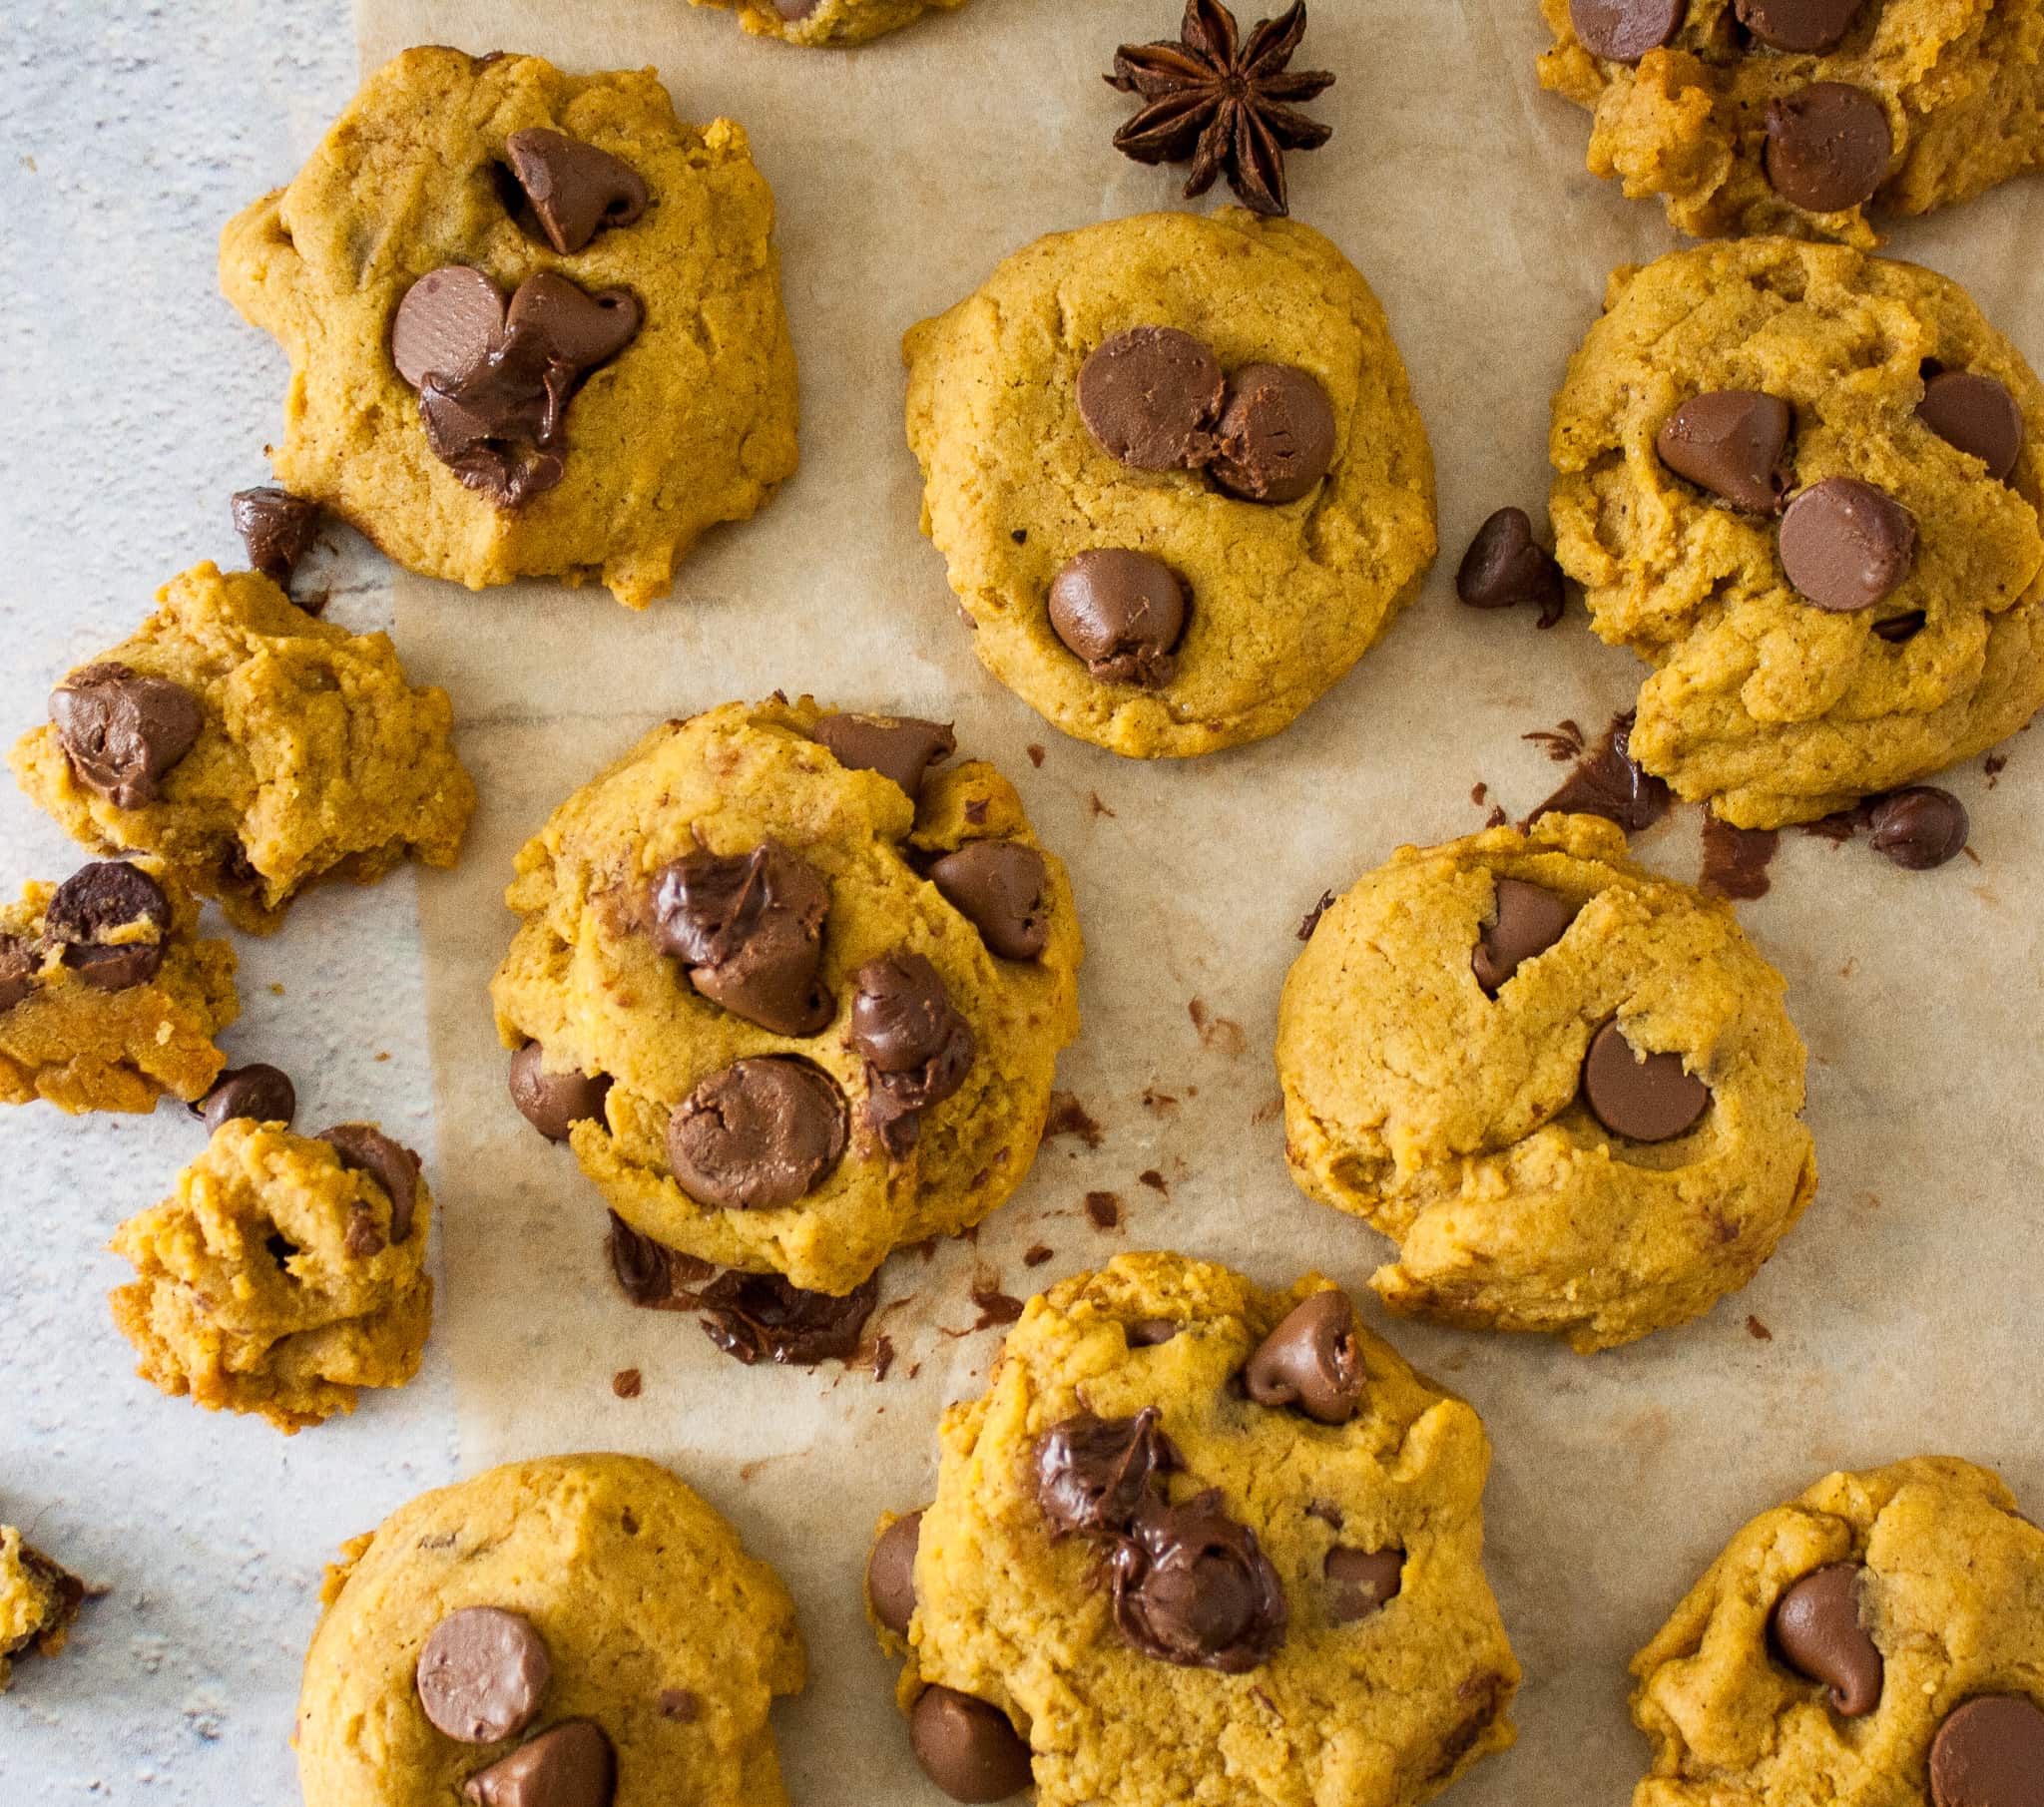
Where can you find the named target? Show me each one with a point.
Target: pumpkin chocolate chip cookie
(1877, 1643)
(1802, 116)
(38, 1603)
(252, 748)
(489, 278)
(1177, 474)
(575, 1631)
(1564, 1086)
(792, 988)
(829, 24)
(1199, 1542)
(1805, 485)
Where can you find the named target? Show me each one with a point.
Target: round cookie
(1806, 654)
(1802, 116)
(585, 1620)
(1202, 1541)
(1564, 1086)
(828, 24)
(489, 278)
(1176, 475)
(800, 997)
(1877, 1643)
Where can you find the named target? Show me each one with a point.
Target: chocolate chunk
(1360, 1581)
(364, 1148)
(1192, 1587)
(1093, 1472)
(1623, 31)
(574, 188)
(753, 1315)
(1276, 434)
(750, 929)
(1525, 920)
(554, 1102)
(123, 732)
(1150, 396)
(759, 1134)
(1312, 1360)
(1002, 889)
(1989, 1753)
(1919, 827)
(1828, 147)
(277, 528)
(261, 1093)
(890, 1573)
(1606, 781)
(481, 1673)
(572, 1765)
(1845, 544)
(1977, 414)
(18, 967)
(1818, 1630)
(1798, 25)
(1123, 612)
(1731, 442)
(446, 325)
(966, 1746)
(1899, 629)
(103, 897)
(1505, 567)
(116, 969)
(1651, 1099)
(901, 747)
(918, 1047)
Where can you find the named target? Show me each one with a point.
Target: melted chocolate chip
(1607, 782)
(1828, 147)
(259, 1092)
(1150, 396)
(1805, 26)
(890, 1573)
(1846, 544)
(116, 969)
(574, 188)
(1192, 1587)
(759, 1134)
(481, 1675)
(749, 1317)
(1505, 567)
(901, 747)
(1525, 920)
(1818, 1628)
(652, 1275)
(1002, 888)
(1276, 437)
(1092, 1474)
(572, 1765)
(364, 1148)
(1920, 827)
(1623, 31)
(750, 929)
(123, 732)
(277, 528)
(1312, 1360)
(1123, 612)
(1652, 1099)
(966, 1746)
(916, 1046)
(1977, 415)
(1731, 442)
(1989, 1753)
(554, 1102)
(1360, 1582)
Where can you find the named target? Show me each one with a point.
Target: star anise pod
(1223, 101)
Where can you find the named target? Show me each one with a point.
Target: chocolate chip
(1651, 1099)
(1525, 920)
(364, 1148)
(759, 1134)
(116, 969)
(259, 1092)
(1310, 1360)
(753, 1315)
(1147, 1333)
(1192, 1587)
(572, 1765)
(1828, 147)
(1276, 434)
(446, 325)
(1977, 414)
(1608, 782)
(750, 929)
(18, 967)
(890, 1573)
(1151, 395)
(967, 1747)
(1505, 567)
(1360, 1582)
(1899, 629)
(1846, 544)
(277, 528)
(1731, 442)
(577, 328)
(574, 188)
(1002, 888)
(645, 1270)
(1818, 1628)
(103, 897)
(1919, 827)
(1122, 612)
(918, 1047)
(1798, 25)
(481, 1673)
(1093, 1472)
(1989, 1753)
(122, 731)
(554, 1102)
(1623, 31)
(901, 747)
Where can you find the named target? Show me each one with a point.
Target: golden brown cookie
(38, 1603)
(829, 24)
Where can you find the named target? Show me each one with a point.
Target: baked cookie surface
(284, 1274)
(1877, 1643)
(38, 1603)
(108, 998)
(1174, 470)
(1805, 485)
(792, 1011)
(1565, 1087)
(829, 24)
(1802, 116)
(1202, 1541)
(579, 1628)
(572, 261)
(251, 748)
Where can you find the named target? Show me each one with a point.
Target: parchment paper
(1899, 1318)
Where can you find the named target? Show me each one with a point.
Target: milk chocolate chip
(574, 188)
(1731, 442)
(1505, 567)
(1151, 395)
(1192, 1587)
(759, 1134)
(1360, 1582)
(1846, 544)
(1312, 1360)
(17, 971)
(1002, 889)
(966, 1746)
(1798, 25)
(1093, 1472)
(1818, 1628)
(1276, 434)
(572, 1765)
(1828, 147)
(1623, 31)
(918, 1047)
(750, 929)
(1525, 920)
(98, 898)
(1977, 414)
(1989, 1753)
(1651, 1099)
(753, 1315)
(890, 1573)
(277, 528)
(554, 1102)
(123, 732)
(446, 325)
(901, 747)
(481, 1675)
(261, 1093)
(364, 1148)
(1123, 612)
(1920, 827)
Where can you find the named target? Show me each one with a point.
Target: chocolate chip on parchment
(890, 1573)
(750, 929)
(1123, 612)
(554, 1102)
(1525, 920)
(1977, 414)
(749, 1316)
(916, 1046)
(966, 1746)
(1002, 889)
(1276, 435)
(1989, 1753)
(1820, 1630)
(481, 1673)
(1093, 1472)
(901, 747)
(1804, 26)
(1505, 566)
(570, 1765)
(1731, 442)
(759, 1134)
(1845, 544)
(1623, 31)
(574, 188)
(123, 732)
(1652, 1099)
(1150, 396)
(259, 1092)
(1920, 827)
(1192, 1587)
(1828, 147)
(1360, 1582)
(364, 1148)
(277, 528)
(1312, 1360)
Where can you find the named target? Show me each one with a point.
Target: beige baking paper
(1899, 1318)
